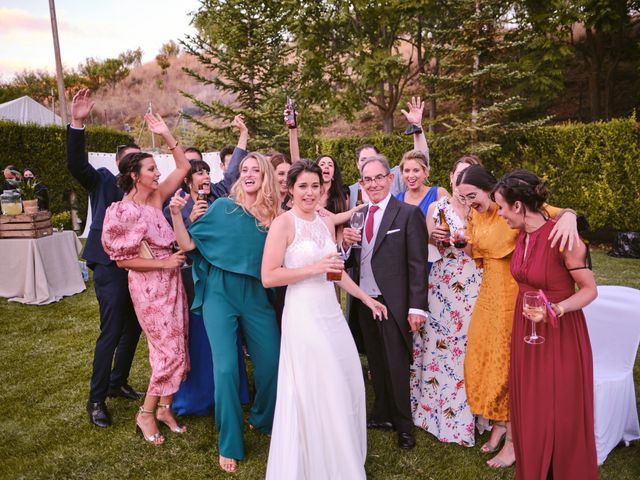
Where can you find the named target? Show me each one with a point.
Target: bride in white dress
(319, 429)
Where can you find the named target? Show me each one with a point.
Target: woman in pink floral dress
(438, 395)
(154, 275)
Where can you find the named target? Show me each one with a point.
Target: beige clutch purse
(145, 250)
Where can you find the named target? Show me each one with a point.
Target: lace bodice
(312, 241)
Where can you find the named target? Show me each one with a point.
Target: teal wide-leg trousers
(233, 300)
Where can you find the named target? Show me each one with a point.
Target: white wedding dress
(319, 429)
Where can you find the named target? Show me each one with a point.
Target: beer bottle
(445, 226)
(359, 199)
(201, 195)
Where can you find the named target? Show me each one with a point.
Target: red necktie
(368, 228)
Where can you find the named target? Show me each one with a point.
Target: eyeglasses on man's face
(371, 180)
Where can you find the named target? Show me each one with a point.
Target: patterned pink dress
(158, 295)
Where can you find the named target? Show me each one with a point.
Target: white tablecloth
(40, 271)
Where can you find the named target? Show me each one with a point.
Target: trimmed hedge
(44, 150)
(593, 168)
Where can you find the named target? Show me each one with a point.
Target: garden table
(38, 271)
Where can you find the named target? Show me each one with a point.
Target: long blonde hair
(265, 209)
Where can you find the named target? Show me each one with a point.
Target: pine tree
(246, 48)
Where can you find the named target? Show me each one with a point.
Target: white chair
(613, 320)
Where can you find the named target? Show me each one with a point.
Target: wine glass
(533, 309)
(357, 222)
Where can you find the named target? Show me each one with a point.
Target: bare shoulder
(329, 222)
(282, 223)
(442, 192)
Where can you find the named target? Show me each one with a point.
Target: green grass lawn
(46, 353)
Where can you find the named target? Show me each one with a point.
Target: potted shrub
(28, 190)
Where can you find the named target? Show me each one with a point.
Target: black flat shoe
(406, 440)
(380, 425)
(125, 391)
(98, 414)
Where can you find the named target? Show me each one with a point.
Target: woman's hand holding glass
(533, 309)
(332, 265)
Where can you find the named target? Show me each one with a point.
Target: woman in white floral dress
(438, 395)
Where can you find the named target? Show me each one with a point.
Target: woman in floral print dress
(438, 395)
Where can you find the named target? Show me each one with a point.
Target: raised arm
(77, 162)
(174, 179)
(294, 148)
(414, 118)
(231, 174)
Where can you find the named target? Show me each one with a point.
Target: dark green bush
(593, 168)
(44, 150)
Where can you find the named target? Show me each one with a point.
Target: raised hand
(177, 202)
(156, 124)
(81, 106)
(238, 122)
(416, 109)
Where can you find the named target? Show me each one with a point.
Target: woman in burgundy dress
(551, 384)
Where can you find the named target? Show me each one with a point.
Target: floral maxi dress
(438, 393)
(158, 295)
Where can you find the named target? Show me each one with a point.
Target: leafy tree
(245, 47)
(482, 76)
(354, 51)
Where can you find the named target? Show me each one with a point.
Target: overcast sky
(90, 28)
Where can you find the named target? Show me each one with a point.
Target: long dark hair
(128, 165)
(336, 199)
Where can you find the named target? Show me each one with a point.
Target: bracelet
(561, 310)
(570, 210)
(171, 149)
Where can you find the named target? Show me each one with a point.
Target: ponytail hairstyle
(128, 165)
(478, 176)
(266, 207)
(522, 186)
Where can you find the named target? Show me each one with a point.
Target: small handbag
(145, 251)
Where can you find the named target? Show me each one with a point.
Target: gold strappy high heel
(156, 438)
(178, 428)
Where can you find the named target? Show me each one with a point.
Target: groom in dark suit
(391, 266)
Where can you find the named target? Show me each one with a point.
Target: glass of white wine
(533, 309)
(357, 222)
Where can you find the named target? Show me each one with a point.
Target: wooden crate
(26, 225)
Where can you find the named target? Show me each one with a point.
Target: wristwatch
(413, 128)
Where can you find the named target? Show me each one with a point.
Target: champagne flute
(357, 222)
(533, 309)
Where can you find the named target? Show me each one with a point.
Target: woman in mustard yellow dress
(486, 366)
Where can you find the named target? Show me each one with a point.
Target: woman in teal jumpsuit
(226, 246)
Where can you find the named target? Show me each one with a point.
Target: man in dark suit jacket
(119, 328)
(391, 266)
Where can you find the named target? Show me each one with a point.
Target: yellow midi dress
(486, 365)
